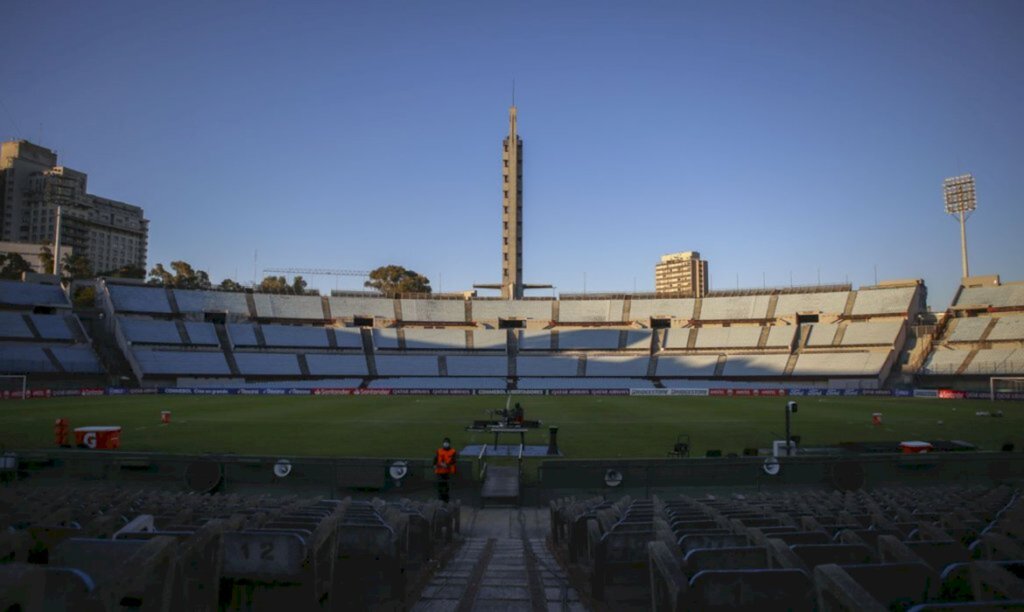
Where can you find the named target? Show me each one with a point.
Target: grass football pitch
(412, 426)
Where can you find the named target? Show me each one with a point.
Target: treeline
(183, 276)
(388, 280)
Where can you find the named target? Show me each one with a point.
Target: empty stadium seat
(24, 359)
(127, 298)
(734, 308)
(584, 383)
(12, 326)
(349, 307)
(686, 365)
(493, 310)
(1008, 328)
(756, 589)
(582, 311)
(77, 359)
(755, 365)
(442, 311)
(449, 382)
(554, 365)
(617, 365)
(201, 333)
(840, 364)
(643, 310)
(872, 333)
(336, 365)
(15, 293)
(292, 307)
(407, 365)
(833, 302)
(894, 300)
(295, 336)
(1004, 296)
(242, 334)
(535, 340)
(348, 337)
(997, 361)
(385, 338)
(435, 339)
(267, 364)
(942, 361)
(167, 362)
(744, 336)
(211, 301)
(490, 339)
(968, 330)
(469, 365)
(149, 331)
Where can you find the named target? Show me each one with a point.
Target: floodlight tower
(961, 202)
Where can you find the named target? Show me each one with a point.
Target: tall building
(109, 233)
(512, 212)
(512, 285)
(682, 273)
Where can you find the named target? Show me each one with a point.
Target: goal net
(1006, 387)
(13, 386)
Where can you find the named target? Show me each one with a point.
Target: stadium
(817, 447)
(659, 456)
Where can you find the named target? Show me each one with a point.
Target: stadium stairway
(503, 564)
(110, 355)
(225, 345)
(501, 486)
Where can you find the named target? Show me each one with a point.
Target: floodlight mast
(961, 201)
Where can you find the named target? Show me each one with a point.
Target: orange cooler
(914, 447)
(99, 437)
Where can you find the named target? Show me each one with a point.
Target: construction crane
(317, 272)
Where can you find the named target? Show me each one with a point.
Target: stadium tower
(512, 285)
(512, 212)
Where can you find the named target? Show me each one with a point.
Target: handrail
(519, 460)
(481, 462)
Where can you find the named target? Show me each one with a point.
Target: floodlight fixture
(961, 201)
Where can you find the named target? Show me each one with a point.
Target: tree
(229, 285)
(393, 279)
(77, 266)
(274, 284)
(13, 265)
(184, 276)
(299, 286)
(129, 271)
(46, 258)
(160, 276)
(85, 297)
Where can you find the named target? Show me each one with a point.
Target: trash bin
(915, 446)
(99, 437)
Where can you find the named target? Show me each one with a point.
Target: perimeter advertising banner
(795, 392)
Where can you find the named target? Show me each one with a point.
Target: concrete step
(500, 574)
(501, 483)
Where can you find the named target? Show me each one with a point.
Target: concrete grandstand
(827, 337)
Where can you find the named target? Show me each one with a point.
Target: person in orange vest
(444, 467)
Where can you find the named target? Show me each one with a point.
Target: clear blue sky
(774, 138)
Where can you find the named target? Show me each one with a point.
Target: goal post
(1005, 384)
(13, 386)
